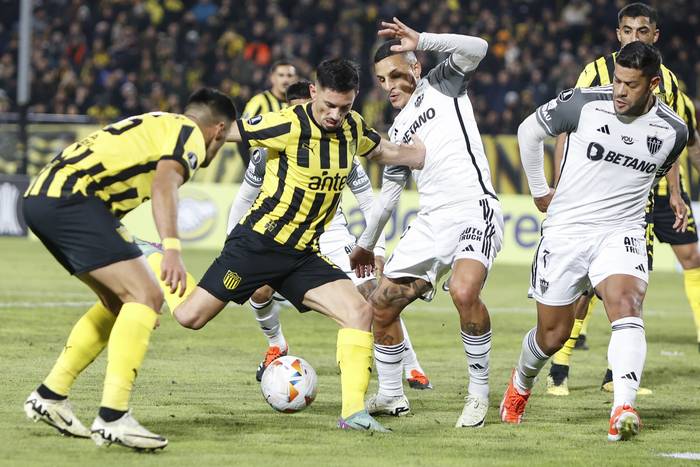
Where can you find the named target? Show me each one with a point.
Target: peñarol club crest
(653, 144)
(231, 280)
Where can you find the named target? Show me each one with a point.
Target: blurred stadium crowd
(112, 58)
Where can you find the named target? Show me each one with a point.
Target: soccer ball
(289, 384)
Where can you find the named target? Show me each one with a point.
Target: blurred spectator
(111, 58)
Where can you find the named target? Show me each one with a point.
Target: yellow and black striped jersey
(601, 71)
(262, 103)
(118, 162)
(306, 170)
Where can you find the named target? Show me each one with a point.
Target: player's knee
(358, 317)
(624, 303)
(263, 294)
(690, 259)
(188, 317)
(465, 296)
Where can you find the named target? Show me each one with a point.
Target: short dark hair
(338, 74)
(640, 56)
(219, 103)
(298, 90)
(635, 10)
(279, 63)
(385, 51)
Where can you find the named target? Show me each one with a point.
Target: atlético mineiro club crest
(653, 144)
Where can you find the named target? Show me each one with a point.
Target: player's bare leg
(689, 257)
(623, 296)
(198, 309)
(467, 279)
(388, 301)
(552, 330)
(341, 301)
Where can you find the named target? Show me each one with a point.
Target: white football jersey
(439, 112)
(357, 181)
(610, 163)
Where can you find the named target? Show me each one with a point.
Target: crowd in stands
(113, 58)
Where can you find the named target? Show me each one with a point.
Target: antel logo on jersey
(327, 183)
(417, 123)
(597, 152)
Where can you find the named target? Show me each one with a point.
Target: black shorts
(80, 232)
(250, 260)
(663, 219)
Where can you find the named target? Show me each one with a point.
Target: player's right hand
(398, 30)
(173, 271)
(362, 261)
(542, 202)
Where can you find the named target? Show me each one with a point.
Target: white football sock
(532, 360)
(410, 360)
(478, 349)
(626, 354)
(388, 359)
(268, 317)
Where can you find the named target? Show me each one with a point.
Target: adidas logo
(476, 366)
(604, 129)
(630, 375)
(468, 248)
(641, 268)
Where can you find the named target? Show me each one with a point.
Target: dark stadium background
(110, 59)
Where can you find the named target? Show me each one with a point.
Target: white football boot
(473, 413)
(387, 405)
(126, 431)
(56, 413)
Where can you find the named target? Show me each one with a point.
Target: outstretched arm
(467, 51)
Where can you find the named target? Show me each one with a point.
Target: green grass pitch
(198, 388)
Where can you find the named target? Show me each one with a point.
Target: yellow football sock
(126, 350)
(589, 313)
(354, 356)
(563, 357)
(692, 291)
(85, 342)
(171, 299)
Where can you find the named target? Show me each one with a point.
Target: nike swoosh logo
(67, 422)
(363, 426)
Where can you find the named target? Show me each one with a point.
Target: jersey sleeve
(270, 130)
(187, 147)
(255, 172)
(561, 115)
(368, 138)
(358, 181)
(678, 146)
(252, 108)
(448, 79)
(587, 77)
(396, 173)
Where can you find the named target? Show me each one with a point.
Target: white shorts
(564, 267)
(337, 244)
(435, 240)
